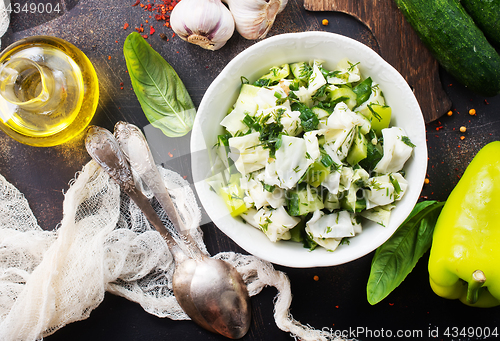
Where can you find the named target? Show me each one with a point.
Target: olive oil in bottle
(48, 91)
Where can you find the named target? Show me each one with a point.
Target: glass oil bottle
(48, 91)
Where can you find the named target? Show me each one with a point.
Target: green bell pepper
(465, 253)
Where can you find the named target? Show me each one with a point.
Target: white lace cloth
(51, 278)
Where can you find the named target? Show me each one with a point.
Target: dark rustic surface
(399, 46)
(338, 299)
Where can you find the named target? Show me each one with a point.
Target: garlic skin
(207, 23)
(254, 18)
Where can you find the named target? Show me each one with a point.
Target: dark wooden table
(336, 301)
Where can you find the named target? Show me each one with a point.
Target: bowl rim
(273, 251)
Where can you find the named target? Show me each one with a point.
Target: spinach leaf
(162, 95)
(308, 119)
(363, 91)
(397, 257)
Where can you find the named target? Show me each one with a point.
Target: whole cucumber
(456, 42)
(486, 15)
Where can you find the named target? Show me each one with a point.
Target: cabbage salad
(308, 154)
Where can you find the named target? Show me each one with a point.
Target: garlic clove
(207, 23)
(254, 18)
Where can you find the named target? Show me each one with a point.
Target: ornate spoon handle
(104, 149)
(136, 149)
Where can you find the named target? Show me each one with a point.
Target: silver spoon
(210, 291)
(135, 147)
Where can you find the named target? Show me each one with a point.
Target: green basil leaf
(397, 257)
(162, 95)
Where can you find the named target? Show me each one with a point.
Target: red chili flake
(125, 26)
(136, 3)
(391, 304)
(109, 57)
(145, 36)
(121, 83)
(486, 101)
(170, 154)
(151, 30)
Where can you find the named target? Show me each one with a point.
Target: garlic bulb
(254, 18)
(207, 23)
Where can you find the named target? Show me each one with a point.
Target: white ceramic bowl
(256, 61)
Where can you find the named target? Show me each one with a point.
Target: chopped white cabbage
(379, 214)
(330, 244)
(316, 80)
(234, 122)
(276, 224)
(337, 225)
(258, 196)
(291, 161)
(247, 153)
(380, 191)
(397, 150)
(266, 98)
(291, 122)
(270, 176)
(304, 95)
(402, 183)
(312, 146)
(332, 182)
(332, 153)
(346, 175)
(348, 73)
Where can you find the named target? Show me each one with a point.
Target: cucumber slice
(316, 173)
(300, 70)
(344, 94)
(232, 194)
(320, 112)
(358, 149)
(303, 201)
(274, 75)
(380, 117)
(246, 102)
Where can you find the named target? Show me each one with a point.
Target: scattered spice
(462, 137)
(463, 129)
(450, 113)
(109, 57)
(316, 278)
(136, 3)
(125, 26)
(426, 181)
(151, 30)
(472, 112)
(324, 22)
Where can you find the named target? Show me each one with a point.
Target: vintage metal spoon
(135, 147)
(210, 291)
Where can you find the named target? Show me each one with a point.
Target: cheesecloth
(103, 243)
